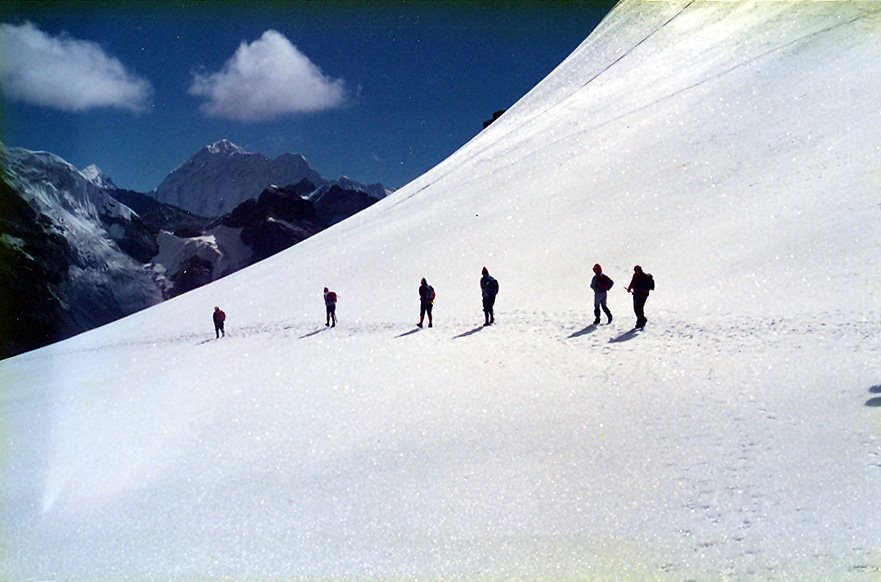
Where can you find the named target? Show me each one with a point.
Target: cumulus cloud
(265, 79)
(65, 73)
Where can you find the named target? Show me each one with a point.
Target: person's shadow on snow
(625, 337)
(411, 332)
(311, 333)
(589, 329)
(470, 332)
(874, 402)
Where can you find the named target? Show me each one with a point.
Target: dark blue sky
(401, 85)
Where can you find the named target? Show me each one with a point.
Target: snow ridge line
(557, 104)
(609, 66)
(631, 49)
(715, 76)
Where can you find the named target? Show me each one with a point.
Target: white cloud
(265, 79)
(65, 73)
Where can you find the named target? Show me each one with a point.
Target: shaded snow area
(222, 246)
(731, 149)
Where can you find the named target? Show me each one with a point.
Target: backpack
(430, 295)
(651, 282)
(605, 282)
(330, 297)
(492, 287)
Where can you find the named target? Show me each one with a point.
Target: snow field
(500, 452)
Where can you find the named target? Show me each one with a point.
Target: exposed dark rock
(336, 204)
(277, 219)
(195, 273)
(159, 215)
(286, 203)
(269, 236)
(137, 240)
(496, 115)
(33, 263)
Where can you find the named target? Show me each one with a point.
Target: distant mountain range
(222, 175)
(77, 252)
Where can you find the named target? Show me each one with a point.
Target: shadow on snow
(411, 332)
(316, 332)
(470, 332)
(626, 336)
(874, 402)
(589, 329)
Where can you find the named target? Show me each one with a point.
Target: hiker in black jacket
(426, 302)
(640, 285)
(219, 317)
(489, 288)
(330, 298)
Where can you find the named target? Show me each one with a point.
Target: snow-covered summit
(731, 149)
(96, 176)
(225, 147)
(220, 176)
(58, 189)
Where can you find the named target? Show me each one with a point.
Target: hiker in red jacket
(330, 304)
(219, 318)
(601, 283)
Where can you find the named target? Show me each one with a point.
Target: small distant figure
(330, 305)
(489, 288)
(601, 283)
(640, 285)
(426, 302)
(219, 317)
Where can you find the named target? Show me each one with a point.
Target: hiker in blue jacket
(489, 288)
(601, 283)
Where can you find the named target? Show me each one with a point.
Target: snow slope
(732, 149)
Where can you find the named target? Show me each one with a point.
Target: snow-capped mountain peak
(222, 175)
(96, 176)
(57, 188)
(226, 147)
